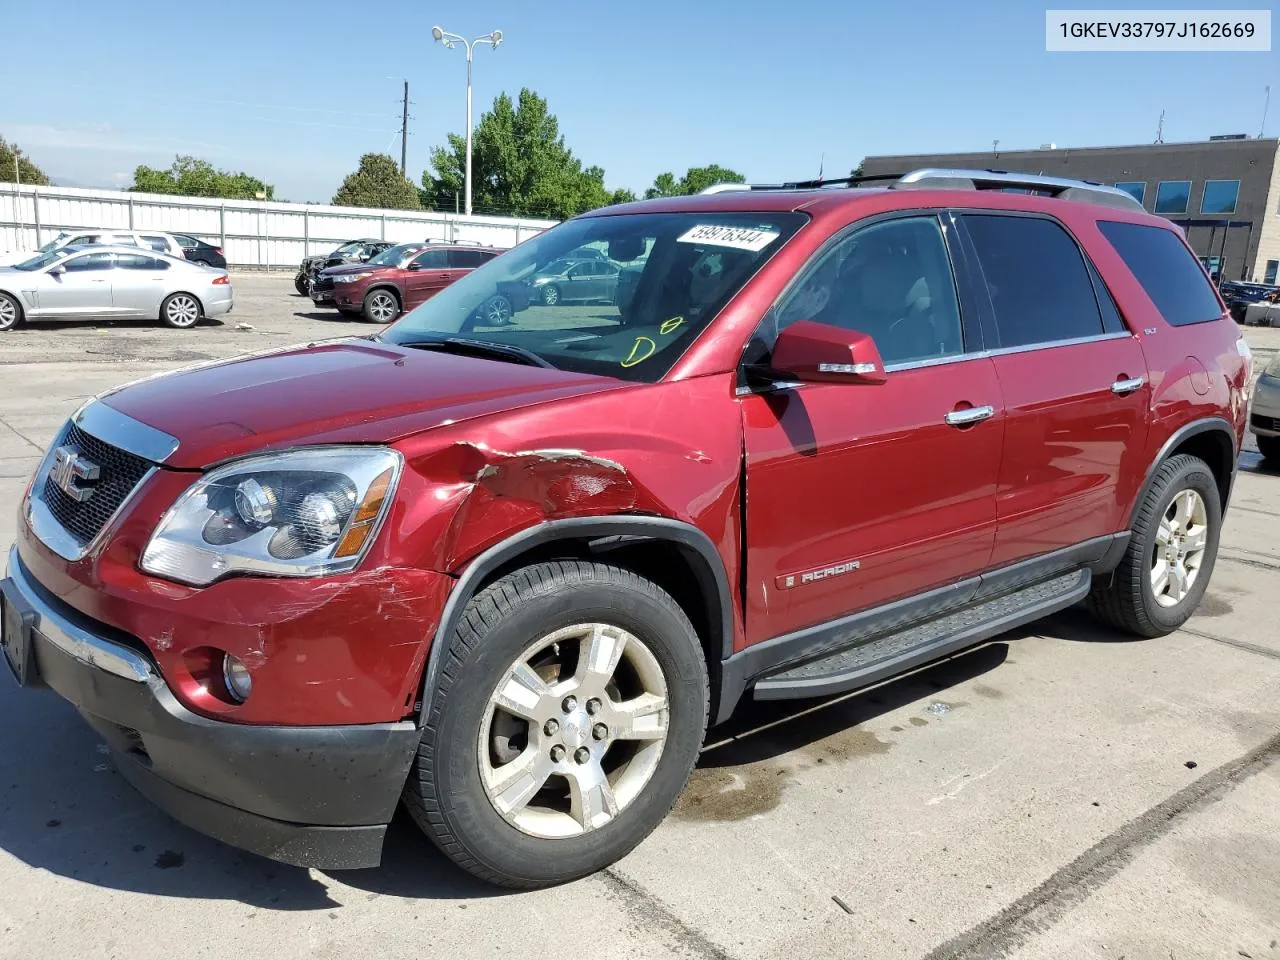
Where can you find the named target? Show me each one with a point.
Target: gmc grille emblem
(70, 470)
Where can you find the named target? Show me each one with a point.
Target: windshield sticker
(641, 351)
(719, 235)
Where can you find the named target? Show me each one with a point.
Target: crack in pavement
(1265, 513)
(648, 911)
(1041, 908)
(1238, 644)
(1259, 560)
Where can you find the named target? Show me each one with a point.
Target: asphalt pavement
(1062, 792)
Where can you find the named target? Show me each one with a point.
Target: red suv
(507, 572)
(398, 279)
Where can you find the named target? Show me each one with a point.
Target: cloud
(97, 137)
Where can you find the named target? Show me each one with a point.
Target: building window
(1135, 188)
(1270, 275)
(1220, 196)
(1212, 266)
(1173, 196)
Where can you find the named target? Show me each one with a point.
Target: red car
(397, 279)
(507, 573)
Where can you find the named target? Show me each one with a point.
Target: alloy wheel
(573, 731)
(8, 313)
(498, 311)
(183, 311)
(1179, 548)
(382, 307)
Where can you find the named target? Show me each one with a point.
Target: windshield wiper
(481, 348)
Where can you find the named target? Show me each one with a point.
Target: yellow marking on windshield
(636, 356)
(672, 325)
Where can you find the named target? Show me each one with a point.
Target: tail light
(219, 250)
(222, 281)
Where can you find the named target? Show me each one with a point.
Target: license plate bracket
(17, 621)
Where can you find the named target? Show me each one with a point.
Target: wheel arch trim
(1176, 439)
(676, 532)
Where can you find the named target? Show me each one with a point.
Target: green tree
(191, 177)
(378, 183)
(520, 165)
(858, 170)
(695, 180)
(27, 171)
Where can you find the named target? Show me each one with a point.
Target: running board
(893, 653)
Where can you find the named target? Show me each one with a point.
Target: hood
(343, 391)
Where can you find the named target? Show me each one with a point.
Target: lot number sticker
(740, 238)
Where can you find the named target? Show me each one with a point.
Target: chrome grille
(119, 473)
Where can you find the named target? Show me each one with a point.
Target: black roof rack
(938, 178)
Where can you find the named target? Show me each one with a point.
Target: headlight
(299, 514)
(352, 277)
(1273, 368)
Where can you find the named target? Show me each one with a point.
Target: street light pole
(449, 39)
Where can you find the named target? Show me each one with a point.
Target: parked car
(155, 240)
(1240, 295)
(397, 280)
(508, 574)
(576, 281)
(198, 251)
(1264, 411)
(106, 283)
(355, 251)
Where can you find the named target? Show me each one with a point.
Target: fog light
(236, 676)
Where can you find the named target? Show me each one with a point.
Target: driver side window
(891, 280)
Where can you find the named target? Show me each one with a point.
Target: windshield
(55, 243)
(392, 256)
(631, 315)
(353, 246)
(40, 260)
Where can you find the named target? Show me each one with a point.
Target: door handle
(970, 415)
(1121, 387)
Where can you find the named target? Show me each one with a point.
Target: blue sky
(294, 93)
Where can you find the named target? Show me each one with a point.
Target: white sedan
(105, 283)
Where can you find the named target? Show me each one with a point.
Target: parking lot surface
(1061, 792)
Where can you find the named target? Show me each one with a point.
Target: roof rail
(799, 184)
(1086, 191)
(726, 188)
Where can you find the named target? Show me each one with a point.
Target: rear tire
(1174, 536)
(10, 312)
(381, 306)
(550, 295)
(1269, 447)
(533, 802)
(181, 311)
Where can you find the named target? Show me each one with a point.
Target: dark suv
(354, 251)
(507, 572)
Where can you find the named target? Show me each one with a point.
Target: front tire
(10, 312)
(181, 311)
(300, 284)
(567, 714)
(1172, 548)
(381, 306)
(1269, 447)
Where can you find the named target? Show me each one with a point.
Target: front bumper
(308, 796)
(1264, 410)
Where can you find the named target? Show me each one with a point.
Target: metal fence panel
(262, 234)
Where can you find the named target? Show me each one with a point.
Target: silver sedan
(105, 283)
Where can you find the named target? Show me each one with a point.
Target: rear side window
(138, 261)
(1167, 271)
(158, 244)
(1039, 284)
(463, 259)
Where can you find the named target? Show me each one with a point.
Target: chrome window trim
(1005, 351)
(75, 641)
(121, 430)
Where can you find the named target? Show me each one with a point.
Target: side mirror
(57, 271)
(813, 352)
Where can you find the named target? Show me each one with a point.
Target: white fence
(251, 233)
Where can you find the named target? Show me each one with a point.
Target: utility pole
(404, 131)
